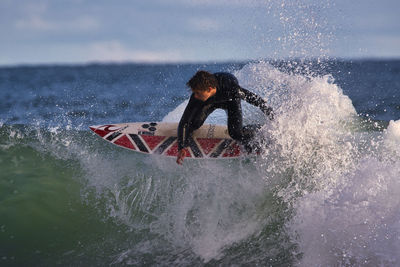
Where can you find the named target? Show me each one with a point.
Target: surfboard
(209, 141)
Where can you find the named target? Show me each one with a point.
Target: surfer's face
(204, 95)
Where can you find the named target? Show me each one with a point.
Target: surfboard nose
(99, 130)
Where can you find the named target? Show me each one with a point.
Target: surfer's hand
(269, 112)
(181, 155)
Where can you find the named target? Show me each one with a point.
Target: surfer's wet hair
(202, 80)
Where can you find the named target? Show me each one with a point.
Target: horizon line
(193, 62)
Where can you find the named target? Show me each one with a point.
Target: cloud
(34, 23)
(36, 8)
(36, 17)
(114, 51)
(38, 23)
(204, 24)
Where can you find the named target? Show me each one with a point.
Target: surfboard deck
(209, 141)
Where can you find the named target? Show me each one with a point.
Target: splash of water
(355, 221)
(311, 140)
(329, 183)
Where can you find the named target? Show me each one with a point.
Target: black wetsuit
(228, 97)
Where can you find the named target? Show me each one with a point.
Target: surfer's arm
(257, 101)
(184, 128)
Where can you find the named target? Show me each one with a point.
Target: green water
(43, 218)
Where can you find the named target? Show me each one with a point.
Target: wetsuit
(228, 97)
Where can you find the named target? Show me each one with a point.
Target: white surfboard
(209, 141)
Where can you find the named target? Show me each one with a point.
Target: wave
(344, 171)
(327, 164)
(322, 192)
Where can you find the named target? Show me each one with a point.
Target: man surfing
(212, 91)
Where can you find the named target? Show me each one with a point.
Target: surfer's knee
(236, 133)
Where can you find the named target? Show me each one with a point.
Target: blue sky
(81, 31)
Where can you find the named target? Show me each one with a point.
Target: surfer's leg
(235, 120)
(235, 125)
(245, 135)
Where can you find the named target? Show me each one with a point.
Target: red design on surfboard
(152, 141)
(207, 145)
(125, 142)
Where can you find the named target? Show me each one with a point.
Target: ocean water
(325, 193)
